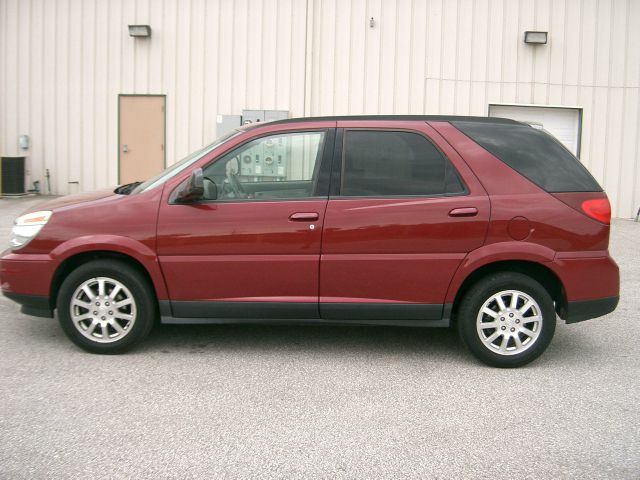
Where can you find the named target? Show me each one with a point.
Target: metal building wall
(458, 56)
(63, 63)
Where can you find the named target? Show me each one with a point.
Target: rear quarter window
(534, 154)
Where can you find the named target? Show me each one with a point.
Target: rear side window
(534, 154)
(387, 163)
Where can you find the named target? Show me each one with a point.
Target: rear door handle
(464, 212)
(304, 217)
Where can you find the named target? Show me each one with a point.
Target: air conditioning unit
(12, 173)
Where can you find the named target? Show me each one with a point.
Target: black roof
(421, 118)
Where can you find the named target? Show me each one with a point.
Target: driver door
(251, 247)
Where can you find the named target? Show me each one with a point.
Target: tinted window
(534, 154)
(378, 163)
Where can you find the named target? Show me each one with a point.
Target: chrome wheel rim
(509, 322)
(103, 310)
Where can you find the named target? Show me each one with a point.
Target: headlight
(27, 226)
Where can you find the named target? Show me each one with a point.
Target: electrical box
(229, 122)
(226, 123)
(272, 115)
(252, 116)
(267, 160)
(256, 116)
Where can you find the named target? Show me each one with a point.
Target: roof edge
(419, 118)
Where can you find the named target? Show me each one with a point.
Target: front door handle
(304, 217)
(464, 212)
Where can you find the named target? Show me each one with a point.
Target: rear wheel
(106, 306)
(507, 319)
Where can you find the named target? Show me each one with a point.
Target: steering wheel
(209, 189)
(236, 186)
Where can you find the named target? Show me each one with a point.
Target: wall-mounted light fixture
(535, 38)
(372, 22)
(139, 31)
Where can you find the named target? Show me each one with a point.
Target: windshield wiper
(126, 189)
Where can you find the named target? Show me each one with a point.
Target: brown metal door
(141, 149)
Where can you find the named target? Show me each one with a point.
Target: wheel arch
(539, 272)
(74, 261)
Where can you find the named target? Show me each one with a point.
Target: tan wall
(63, 63)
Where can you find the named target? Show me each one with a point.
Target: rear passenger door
(404, 211)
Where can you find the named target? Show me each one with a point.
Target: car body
(358, 220)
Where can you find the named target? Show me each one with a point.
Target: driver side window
(282, 166)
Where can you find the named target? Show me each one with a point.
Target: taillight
(598, 208)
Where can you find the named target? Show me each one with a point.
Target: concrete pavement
(321, 402)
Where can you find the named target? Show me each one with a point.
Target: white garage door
(562, 123)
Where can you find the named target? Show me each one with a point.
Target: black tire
(488, 352)
(143, 305)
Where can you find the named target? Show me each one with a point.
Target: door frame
(178, 309)
(374, 310)
(164, 125)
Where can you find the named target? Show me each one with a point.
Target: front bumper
(26, 279)
(35, 305)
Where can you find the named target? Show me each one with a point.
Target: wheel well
(75, 261)
(546, 277)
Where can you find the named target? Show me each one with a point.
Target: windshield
(183, 164)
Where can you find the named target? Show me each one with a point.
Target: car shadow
(294, 339)
(434, 345)
(570, 346)
(304, 338)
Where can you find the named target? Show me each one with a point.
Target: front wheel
(507, 319)
(105, 306)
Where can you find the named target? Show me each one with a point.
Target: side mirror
(193, 190)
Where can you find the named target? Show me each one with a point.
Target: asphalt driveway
(321, 402)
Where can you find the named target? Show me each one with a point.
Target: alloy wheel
(103, 309)
(509, 322)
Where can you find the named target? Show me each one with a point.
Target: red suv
(488, 224)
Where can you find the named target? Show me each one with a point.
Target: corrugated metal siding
(458, 56)
(64, 62)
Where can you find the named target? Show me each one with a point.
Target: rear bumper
(591, 282)
(580, 310)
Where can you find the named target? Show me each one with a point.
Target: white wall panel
(403, 71)
(612, 144)
(387, 65)
(64, 62)
(356, 79)
(417, 57)
(372, 59)
(470, 53)
(341, 61)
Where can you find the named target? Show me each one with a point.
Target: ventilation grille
(13, 175)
